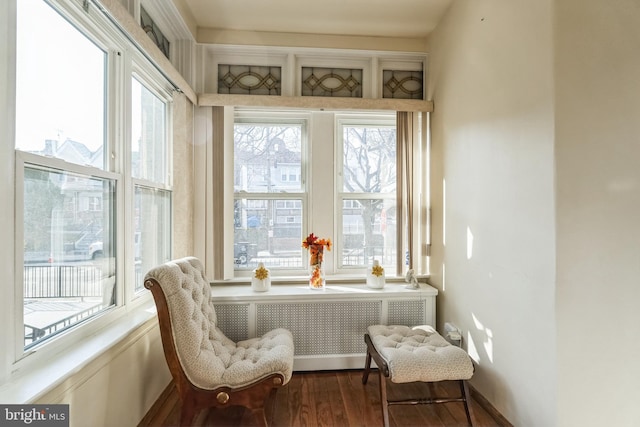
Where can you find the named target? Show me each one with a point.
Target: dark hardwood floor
(334, 399)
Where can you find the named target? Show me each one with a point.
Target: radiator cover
(327, 327)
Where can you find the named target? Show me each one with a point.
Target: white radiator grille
(321, 328)
(409, 313)
(233, 320)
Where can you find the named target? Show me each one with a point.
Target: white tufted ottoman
(419, 354)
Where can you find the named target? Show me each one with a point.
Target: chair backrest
(188, 322)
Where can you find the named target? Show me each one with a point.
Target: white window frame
(123, 58)
(354, 119)
(319, 165)
(265, 117)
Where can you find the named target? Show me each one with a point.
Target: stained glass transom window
(402, 84)
(249, 79)
(343, 82)
(154, 32)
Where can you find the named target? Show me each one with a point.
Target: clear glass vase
(316, 276)
(316, 272)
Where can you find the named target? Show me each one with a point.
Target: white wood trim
(314, 102)
(133, 29)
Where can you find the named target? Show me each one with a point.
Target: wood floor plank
(333, 399)
(359, 410)
(322, 400)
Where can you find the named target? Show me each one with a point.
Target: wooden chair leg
(187, 414)
(260, 417)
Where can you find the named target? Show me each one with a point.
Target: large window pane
(152, 230)
(268, 158)
(368, 194)
(268, 231)
(60, 84)
(69, 250)
(369, 164)
(369, 232)
(148, 135)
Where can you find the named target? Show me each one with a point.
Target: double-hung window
(270, 194)
(93, 190)
(331, 174)
(366, 191)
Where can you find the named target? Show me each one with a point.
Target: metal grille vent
(408, 313)
(233, 320)
(321, 328)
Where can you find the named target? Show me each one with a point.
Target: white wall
(493, 207)
(598, 211)
(119, 386)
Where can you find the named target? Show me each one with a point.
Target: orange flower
(312, 240)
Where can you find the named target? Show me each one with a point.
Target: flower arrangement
(316, 246)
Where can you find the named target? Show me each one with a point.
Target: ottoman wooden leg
(383, 400)
(367, 368)
(464, 389)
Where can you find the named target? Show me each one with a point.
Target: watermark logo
(34, 415)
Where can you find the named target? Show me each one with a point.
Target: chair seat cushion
(224, 363)
(260, 357)
(419, 354)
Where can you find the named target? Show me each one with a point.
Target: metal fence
(32, 334)
(61, 281)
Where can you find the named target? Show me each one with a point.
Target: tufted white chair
(419, 354)
(209, 369)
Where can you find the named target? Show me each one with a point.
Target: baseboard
(332, 362)
(487, 406)
(158, 404)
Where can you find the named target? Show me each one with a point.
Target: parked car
(96, 248)
(243, 252)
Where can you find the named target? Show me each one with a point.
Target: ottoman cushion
(419, 354)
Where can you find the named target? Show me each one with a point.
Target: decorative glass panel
(249, 79)
(402, 84)
(343, 82)
(154, 32)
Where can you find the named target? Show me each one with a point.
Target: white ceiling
(376, 18)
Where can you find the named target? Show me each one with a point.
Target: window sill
(37, 381)
(302, 292)
(330, 280)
